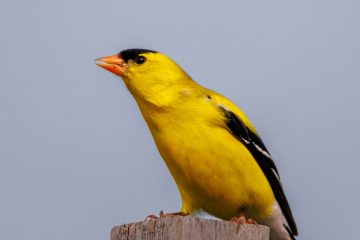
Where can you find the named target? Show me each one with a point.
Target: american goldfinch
(215, 155)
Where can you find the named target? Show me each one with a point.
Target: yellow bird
(216, 157)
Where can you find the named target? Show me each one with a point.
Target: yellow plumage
(213, 170)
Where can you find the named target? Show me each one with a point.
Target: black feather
(264, 160)
(131, 54)
(289, 232)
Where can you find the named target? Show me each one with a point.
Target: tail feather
(279, 228)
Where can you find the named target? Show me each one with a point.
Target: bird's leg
(242, 219)
(162, 215)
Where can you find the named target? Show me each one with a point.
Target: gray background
(76, 156)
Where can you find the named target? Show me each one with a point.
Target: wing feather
(262, 156)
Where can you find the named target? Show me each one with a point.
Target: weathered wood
(189, 228)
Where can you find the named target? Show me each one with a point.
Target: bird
(212, 150)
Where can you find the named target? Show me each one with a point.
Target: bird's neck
(166, 99)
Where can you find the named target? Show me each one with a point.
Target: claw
(162, 215)
(251, 221)
(242, 220)
(151, 217)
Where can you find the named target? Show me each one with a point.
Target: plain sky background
(76, 157)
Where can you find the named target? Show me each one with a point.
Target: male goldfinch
(212, 150)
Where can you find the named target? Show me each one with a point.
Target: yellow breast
(213, 170)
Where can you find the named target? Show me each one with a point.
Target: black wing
(262, 156)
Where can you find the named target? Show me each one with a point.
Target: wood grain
(188, 228)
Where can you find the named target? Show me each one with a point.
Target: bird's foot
(242, 220)
(182, 214)
(151, 217)
(162, 215)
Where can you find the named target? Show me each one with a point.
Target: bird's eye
(140, 59)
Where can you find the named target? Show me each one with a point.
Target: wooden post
(189, 228)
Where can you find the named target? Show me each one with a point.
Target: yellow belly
(215, 172)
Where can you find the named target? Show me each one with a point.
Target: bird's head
(146, 73)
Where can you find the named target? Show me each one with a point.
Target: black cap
(133, 53)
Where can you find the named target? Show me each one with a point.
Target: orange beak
(114, 64)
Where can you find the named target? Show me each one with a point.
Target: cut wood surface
(189, 228)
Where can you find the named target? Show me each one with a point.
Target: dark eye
(140, 59)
